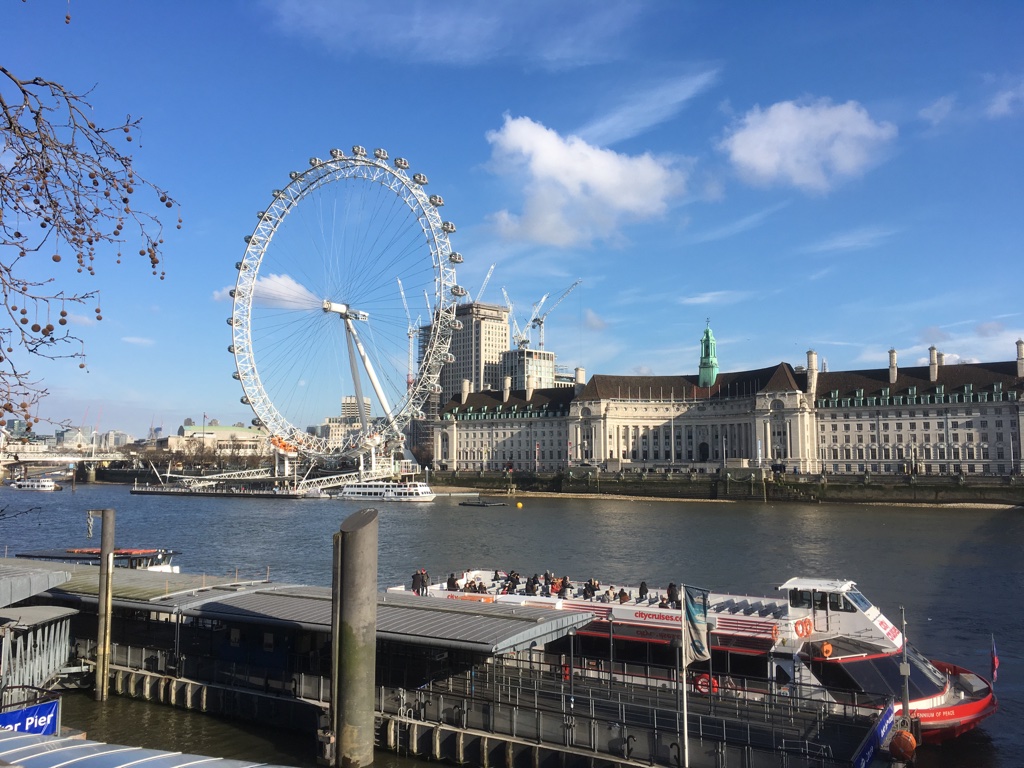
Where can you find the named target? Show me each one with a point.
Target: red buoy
(902, 745)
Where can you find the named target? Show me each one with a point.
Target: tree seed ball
(519, 505)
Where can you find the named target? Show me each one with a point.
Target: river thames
(959, 573)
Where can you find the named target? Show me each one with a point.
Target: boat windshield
(855, 597)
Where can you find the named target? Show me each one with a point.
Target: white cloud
(938, 110)
(854, 240)
(752, 221)
(138, 341)
(1006, 102)
(715, 297)
(284, 292)
(574, 192)
(223, 294)
(646, 108)
(810, 146)
(461, 32)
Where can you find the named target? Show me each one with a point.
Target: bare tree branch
(67, 194)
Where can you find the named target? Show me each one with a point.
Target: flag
(695, 625)
(995, 661)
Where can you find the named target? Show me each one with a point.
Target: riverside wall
(747, 485)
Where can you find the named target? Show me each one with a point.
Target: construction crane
(537, 321)
(412, 331)
(483, 285)
(519, 336)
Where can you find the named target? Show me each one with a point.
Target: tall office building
(477, 347)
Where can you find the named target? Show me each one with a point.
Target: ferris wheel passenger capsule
(448, 357)
(447, 227)
(243, 400)
(455, 257)
(401, 163)
(235, 376)
(420, 179)
(436, 200)
(337, 154)
(315, 161)
(231, 348)
(294, 175)
(359, 151)
(231, 321)
(455, 325)
(458, 290)
(380, 154)
(231, 293)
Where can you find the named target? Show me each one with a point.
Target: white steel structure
(319, 312)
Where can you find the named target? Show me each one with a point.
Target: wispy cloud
(461, 32)
(593, 321)
(575, 193)
(1007, 101)
(138, 341)
(811, 146)
(740, 225)
(938, 111)
(853, 240)
(715, 297)
(646, 108)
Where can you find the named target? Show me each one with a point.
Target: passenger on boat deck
(663, 603)
(566, 589)
(609, 596)
(470, 586)
(623, 596)
(532, 585)
(673, 594)
(417, 582)
(643, 591)
(425, 589)
(589, 590)
(453, 585)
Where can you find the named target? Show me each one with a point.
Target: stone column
(354, 639)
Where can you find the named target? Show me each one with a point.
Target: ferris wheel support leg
(374, 381)
(363, 416)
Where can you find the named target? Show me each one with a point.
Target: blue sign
(41, 719)
(876, 738)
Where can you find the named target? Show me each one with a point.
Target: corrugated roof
(27, 616)
(18, 748)
(469, 625)
(20, 581)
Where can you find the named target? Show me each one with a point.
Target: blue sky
(842, 177)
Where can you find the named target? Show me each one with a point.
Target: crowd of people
(549, 585)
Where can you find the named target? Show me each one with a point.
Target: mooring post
(105, 600)
(354, 639)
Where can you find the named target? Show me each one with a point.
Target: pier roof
(491, 628)
(20, 580)
(18, 748)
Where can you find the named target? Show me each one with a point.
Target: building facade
(963, 420)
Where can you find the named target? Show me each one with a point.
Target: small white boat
(35, 484)
(385, 490)
(138, 558)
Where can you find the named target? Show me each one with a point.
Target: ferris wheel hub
(345, 311)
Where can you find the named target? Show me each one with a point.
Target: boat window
(838, 602)
(820, 600)
(800, 598)
(858, 599)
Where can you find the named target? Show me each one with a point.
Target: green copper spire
(708, 360)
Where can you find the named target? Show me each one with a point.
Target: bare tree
(68, 194)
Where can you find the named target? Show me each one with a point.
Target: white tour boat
(139, 558)
(35, 484)
(386, 490)
(820, 639)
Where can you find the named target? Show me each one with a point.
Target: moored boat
(36, 484)
(821, 639)
(386, 490)
(140, 558)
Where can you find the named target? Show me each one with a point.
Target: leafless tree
(69, 199)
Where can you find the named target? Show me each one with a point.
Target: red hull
(945, 723)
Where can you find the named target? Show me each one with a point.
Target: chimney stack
(941, 358)
(933, 364)
(465, 391)
(581, 380)
(892, 366)
(812, 372)
(529, 388)
(1020, 358)
(506, 389)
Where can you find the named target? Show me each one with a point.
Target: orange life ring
(826, 649)
(775, 633)
(808, 627)
(802, 628)
(705, 684)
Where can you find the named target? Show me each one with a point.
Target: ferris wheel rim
(389, 428)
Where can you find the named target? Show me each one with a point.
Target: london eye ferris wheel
(342, 260)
